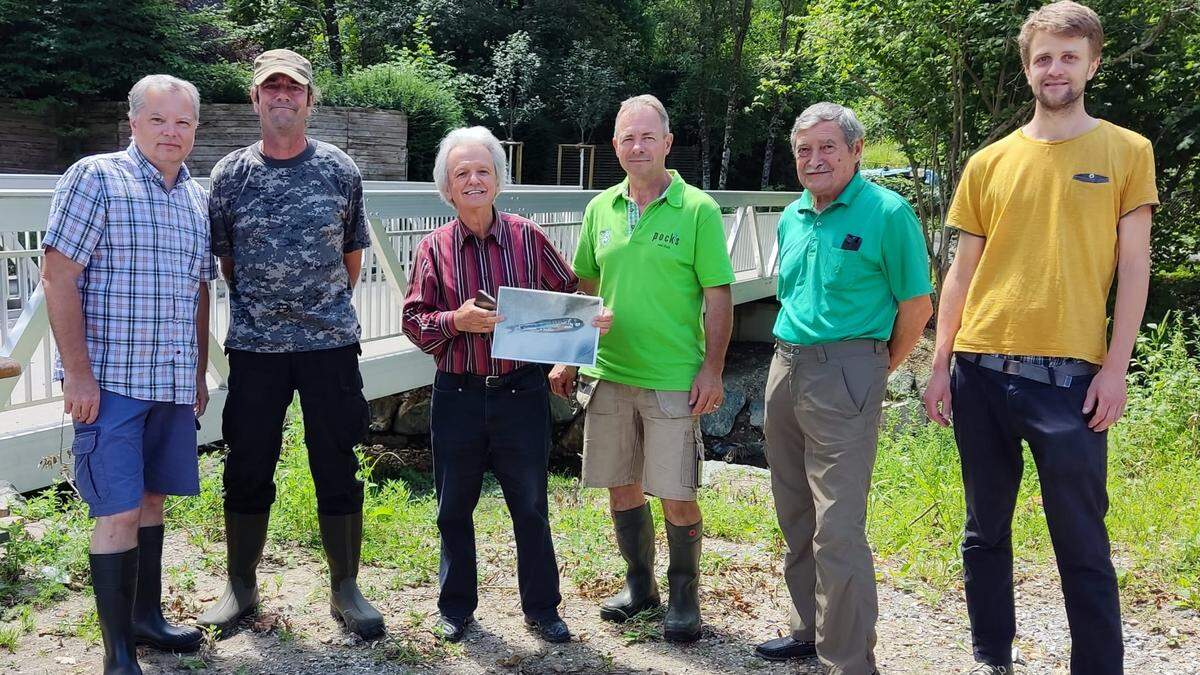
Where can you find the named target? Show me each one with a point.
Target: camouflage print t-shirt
(287, 225)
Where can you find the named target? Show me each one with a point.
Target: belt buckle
(1011, 367)
(492, 381)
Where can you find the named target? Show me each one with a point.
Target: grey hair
(645, 101)
(852, 129)
(468, 136)
(159, 82)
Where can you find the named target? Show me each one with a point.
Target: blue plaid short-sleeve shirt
(145, 252)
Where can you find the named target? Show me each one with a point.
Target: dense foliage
(937, 79)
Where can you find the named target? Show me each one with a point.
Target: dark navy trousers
(993, 412)
(505, 429)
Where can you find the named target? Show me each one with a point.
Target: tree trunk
(705, 147)
(769, 152)
(739, 40)
(333, 35)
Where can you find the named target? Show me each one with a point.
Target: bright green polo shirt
(653, 280)
(829, 292)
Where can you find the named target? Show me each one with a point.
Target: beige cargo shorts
(633, 435)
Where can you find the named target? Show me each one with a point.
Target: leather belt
(472, 381)
(1059, 376)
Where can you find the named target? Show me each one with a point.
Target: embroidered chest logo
(1090, 178)
(605, 237)
(665, 239)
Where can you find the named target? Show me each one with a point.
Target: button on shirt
(145, 252)
(844, 271)
(452, 264)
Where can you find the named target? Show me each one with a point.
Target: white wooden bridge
(33, 426)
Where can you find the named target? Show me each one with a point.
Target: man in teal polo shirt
(654, 248)
(854, 298)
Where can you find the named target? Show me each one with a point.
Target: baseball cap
(283, 61)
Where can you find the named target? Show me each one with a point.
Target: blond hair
(1064, 18)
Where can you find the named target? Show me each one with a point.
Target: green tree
(507, 92)
(587, 89)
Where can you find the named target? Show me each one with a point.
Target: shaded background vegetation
(933, 80)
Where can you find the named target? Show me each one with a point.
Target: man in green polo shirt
(654, 248)
(854, 298)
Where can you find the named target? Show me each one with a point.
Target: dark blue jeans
(504, 429)
(993, 413)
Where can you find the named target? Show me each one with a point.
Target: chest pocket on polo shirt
(840, 268)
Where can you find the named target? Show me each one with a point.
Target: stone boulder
(412, 413)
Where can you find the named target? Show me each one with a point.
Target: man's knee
(680, 512)
(625, 497)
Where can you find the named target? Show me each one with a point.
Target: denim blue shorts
(134, 447)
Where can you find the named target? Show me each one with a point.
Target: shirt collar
(845, 198)
(673, 194)
(148, 170)
(498, 231)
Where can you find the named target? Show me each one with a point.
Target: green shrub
(220, 82)
(1176, 291)
(430, 104)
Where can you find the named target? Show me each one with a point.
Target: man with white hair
(487, 414)
(654, 248)
(288, 226)
(126, 278)
(854, 298)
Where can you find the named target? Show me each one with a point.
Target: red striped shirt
(452, 264)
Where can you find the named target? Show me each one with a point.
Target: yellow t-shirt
(1049, 212)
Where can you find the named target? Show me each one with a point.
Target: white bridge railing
(34, 434)
(400, 215)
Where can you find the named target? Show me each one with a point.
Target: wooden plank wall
(377, 140)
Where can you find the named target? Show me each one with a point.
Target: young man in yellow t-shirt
(1047, 215)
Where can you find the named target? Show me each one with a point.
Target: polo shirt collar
(845, 198)
(148, 170)
(673, 194)
(498, 230)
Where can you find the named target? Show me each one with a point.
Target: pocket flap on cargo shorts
(84, 443)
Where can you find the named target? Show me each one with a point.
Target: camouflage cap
(283, 61)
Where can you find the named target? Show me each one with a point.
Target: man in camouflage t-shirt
(288, 227)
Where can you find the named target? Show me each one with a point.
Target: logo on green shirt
(665, 239)
(605, 237)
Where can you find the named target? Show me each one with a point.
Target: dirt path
(744, 604)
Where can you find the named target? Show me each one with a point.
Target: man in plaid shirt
(125, 277)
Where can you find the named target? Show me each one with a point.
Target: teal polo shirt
(844, 271)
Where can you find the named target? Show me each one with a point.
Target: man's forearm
(718, 326)
(353, 262)
(910, 323)
(1133, 282)
(65, 309)
(202, 330)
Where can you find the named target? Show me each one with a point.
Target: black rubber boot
(635, 539)
(114, 580)
(682, 622)
(149, 625)
(342, 537)
(245, 536)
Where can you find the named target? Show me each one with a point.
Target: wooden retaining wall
(377, 140)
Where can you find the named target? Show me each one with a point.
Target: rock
(412, 415)
(720, 421)
(9, 496)
(901, 384)
(383, 410)
(563, 411)
(570, 441)
(724, 472)
(758, 412)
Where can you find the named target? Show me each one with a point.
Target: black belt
(472, 381)
(1060, 376)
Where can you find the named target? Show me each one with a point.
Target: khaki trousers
(822, 424)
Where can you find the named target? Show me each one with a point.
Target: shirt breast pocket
(841, 268)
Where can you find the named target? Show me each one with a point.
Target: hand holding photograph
(546, 327)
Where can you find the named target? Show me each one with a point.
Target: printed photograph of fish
(559, 325)
(546, 327)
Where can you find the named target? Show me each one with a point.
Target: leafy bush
(1173, 291)
(430, 104)
(220, 82)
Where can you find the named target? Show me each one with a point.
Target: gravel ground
(743, 605)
